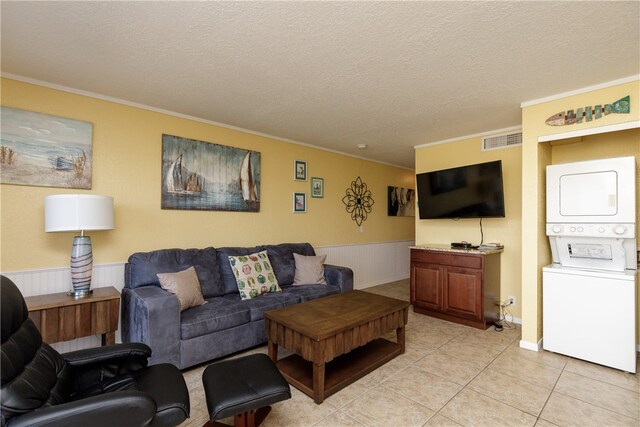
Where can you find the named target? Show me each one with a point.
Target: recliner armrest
(120, 408)
(112, 353)
(339, 276)
(94, 369)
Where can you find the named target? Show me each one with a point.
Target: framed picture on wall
(401, 201)
(198, 175)
(300, 170)
(299, 202)
(317, 187)
(44, 150)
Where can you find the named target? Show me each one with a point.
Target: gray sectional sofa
(226, 324)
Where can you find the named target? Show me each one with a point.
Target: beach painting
(43, 150)
(198, 175)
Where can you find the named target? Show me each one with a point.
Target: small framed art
(300, 170)
(317, 187)
(299, 202)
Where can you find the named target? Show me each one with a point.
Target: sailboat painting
(198, 175)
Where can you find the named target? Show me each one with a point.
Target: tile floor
(453, 375)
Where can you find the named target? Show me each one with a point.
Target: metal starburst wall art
(358, 201)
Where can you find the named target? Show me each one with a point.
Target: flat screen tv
(473, 191)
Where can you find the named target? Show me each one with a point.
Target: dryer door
(595, 191)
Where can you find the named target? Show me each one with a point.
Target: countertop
(448, 248)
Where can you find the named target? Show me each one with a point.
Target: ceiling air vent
(501, 141)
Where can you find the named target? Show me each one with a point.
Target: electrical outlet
(511, 300)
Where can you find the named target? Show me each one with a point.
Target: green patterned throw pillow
(254, 274)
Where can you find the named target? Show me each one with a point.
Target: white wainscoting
(372, 264)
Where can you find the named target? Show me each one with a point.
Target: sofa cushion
(254, 274)
(310, 292)
(281, 257)
(269, 301)
(184, 285)
(309, 270)
(143, 267)
(218, 314)
(230, 286)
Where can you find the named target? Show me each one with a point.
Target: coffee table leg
(400, 335)
(318, 382)
(272, 348)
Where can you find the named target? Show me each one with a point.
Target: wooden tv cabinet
(459, 285)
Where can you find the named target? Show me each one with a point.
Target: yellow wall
(536, 157)
(126, 165)
(504, 230)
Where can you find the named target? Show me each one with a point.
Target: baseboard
(531, 346)
(382, 282)
(516, 320)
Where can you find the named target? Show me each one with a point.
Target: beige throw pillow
(309, 270)
(185, 286)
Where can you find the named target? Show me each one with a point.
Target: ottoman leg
(251, 418)
(245, 419)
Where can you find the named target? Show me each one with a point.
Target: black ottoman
(243, 388)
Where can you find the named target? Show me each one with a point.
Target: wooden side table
(60, 317)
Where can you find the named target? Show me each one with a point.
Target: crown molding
(475, 135)
(183, 116)
(580, 91)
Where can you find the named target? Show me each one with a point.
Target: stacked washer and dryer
(589, 292)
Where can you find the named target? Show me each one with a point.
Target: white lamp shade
(78, 212)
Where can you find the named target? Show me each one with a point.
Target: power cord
(481, 233)
(503, 323)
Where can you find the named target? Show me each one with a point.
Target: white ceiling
(391, 75)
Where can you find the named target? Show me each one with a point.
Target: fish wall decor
(589, 113)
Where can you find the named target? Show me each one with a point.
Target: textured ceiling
(332, 74)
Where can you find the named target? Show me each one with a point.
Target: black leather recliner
(104, 386)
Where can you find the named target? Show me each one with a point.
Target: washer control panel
(622, 231)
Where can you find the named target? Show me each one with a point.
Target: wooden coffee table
(336, 339)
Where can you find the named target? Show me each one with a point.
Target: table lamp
(79, 212)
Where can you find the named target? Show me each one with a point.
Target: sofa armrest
(339, 276)
(151, 315)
